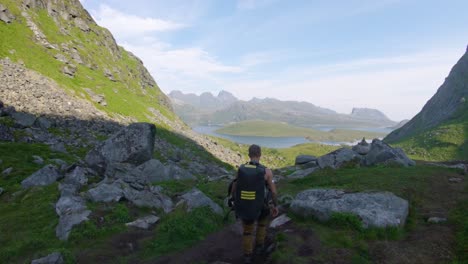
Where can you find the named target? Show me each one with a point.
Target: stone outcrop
(54, 258)
(362, 148)
(133, 144)
(5, 15)
(144, 222)
(378, 209)
(381, 153)
(45, 176)
(196, 198)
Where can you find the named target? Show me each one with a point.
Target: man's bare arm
(271, 184)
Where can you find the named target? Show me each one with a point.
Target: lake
(268, 142)
(281, 142)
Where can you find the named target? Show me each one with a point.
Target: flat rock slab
(144, 222)
(375, 209)
(302, 173)
(303, 159)
(106, 192)
(43, 177)
(436, 220)
(196, 198)
(54, 258)
(279, 221)
(72, 211)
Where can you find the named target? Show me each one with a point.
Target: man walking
(255, 197)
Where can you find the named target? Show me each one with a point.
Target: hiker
(254, 198)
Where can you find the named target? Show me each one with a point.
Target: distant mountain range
(225, 108)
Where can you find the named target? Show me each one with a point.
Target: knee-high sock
(261, 231)
(248, 237)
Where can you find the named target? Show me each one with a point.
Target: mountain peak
(368, 113)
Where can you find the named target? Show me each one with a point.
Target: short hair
(255, 151)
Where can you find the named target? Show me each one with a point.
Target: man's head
(255, 152)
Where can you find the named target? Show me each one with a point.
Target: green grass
(180, 230)
(447, 141)
(276, 129)
(278, 158)
(27, 217)
(345, 231)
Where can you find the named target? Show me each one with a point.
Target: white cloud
(125, 25)
(399, 86)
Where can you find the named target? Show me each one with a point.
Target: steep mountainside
(60, 40)
(440, 130)
(56, 61)
(225, 108)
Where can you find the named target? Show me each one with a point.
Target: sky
(391, 55)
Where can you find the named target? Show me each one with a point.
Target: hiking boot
(248, 259)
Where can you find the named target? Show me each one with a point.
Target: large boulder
(298, 174)
(107, 192)
(196, 198)
(362, 148)
(381, 153)
(133, 144)
(375, 209)
(149, 172)
(72, 211)
(338, 158)
(303, 159)
(24, 119)
(54, 258)
(45, 176)
(153, 198)
(78, 176)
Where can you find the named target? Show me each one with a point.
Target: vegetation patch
(182, 229)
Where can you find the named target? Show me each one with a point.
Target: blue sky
(388, 54)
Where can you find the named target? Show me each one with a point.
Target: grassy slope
(413, 184)
(448, 141)
(124, 97)
(276, 129)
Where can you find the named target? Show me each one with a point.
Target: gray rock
(45, 176)
(67, 189)
(59, 147)
(298, 174)
(382, 153)
(81, 24)
(7, 171)
(69, 70)
(106, 192)
(362, 148)
(338, 158)
(60, 57)
(436, 220)
(67, 222)
(77, 177)
(303, 159)
(154, 171)
(98, 98)
(24, 119)
(196, 198)
(54, 258)
(59, 162)
(279, 221)
(38, 160)
(379, 209)
(6, 133)
(133, 144)
(144, 222)
(153, 198)
(5, 15)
